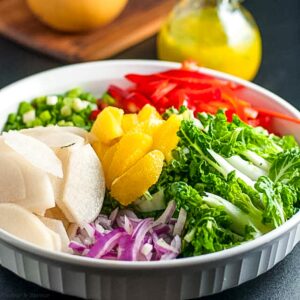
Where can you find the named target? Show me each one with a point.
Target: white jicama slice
(54, 138)
(3, 147)
(57, 214)
(58, 227)
(84, 187)
(89, 138)
(25, 225)
(34, 151)
(12, 184)
(56, 240)
(39, 191)
(40, 130)
(58, 184)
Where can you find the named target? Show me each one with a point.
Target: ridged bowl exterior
(180, 283)
(181, 279)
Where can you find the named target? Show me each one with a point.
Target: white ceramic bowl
(177, 279)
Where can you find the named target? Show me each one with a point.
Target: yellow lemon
(76, 15)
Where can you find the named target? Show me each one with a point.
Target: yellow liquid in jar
(224, 40)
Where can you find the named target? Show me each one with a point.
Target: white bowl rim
(154, 265)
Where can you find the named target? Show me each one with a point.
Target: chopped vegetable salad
(176, 165)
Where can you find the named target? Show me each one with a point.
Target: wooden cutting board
(140, 20)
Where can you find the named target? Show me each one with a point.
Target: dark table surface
(279, 21)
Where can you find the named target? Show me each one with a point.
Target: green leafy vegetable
(286, 167)
(234, 181)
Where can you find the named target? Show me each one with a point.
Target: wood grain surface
(139, 21)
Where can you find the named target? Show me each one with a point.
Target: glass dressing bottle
(218, 34)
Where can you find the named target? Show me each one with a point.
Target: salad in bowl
(176, 164)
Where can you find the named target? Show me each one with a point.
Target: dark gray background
(279, 21)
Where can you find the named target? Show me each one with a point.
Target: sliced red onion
(120, 220)
(168, 256)
(85, 251)
(89, 230)
(128, 213)
(163, 247)
(161, 229)
(104, 222)
(122, 236)
(105, 243)
(114, 214)
(167, 214)
(77, 246)
(178, 228)
(124, 249)
(128, 225)
(176, 243)
(172, 221)
(139, 235)
(146, 249)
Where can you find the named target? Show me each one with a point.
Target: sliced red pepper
(205, 107)
(275, 114)
(198, 96)
(94, 114)
(250, 112)
(149, 88)
(256, 122)
(162, 90)
(117, 93)
(134, 102)
(178, 98)
(185, 74)
(140, 79)
(163, 105)
(236, 105)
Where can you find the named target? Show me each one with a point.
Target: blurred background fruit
(76, 15)
(219, 34)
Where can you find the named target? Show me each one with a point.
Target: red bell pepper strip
(94, 114)
(274, 114)
(140, 79)
(162, 90)
(117, 93)
(134, 102)
(198, 91)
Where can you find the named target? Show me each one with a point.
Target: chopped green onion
(51, 100)
(66, 111)
(29, 116)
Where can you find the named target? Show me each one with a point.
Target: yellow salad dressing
(221, 36)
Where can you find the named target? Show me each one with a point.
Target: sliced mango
(116, 112)
(132, 147)
(165, 139)
(148, 112)
(107, 126)
(150, 127)
(129, 122)
(138, 179)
